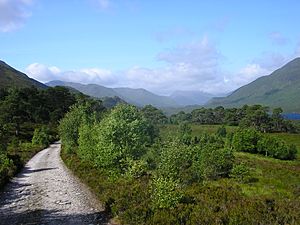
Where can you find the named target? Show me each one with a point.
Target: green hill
(10, 77)
(279, 89)
(138, 97)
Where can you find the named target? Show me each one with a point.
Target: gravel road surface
(46, 192)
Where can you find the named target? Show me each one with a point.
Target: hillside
(10, 77)
(279, 89)
(139, 97)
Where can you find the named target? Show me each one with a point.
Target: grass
(272, 177)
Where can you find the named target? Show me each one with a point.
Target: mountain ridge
(138, 96)
(10, 77)
(279, 89)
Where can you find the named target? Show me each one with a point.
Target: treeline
(256, 116)
(28, 122)
(143, 179)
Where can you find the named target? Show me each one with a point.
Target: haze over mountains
(139, 97)
(279, 89)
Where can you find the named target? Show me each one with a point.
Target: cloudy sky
(163, 46)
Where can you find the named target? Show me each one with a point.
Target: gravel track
(46, 192)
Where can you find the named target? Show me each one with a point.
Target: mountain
(184, 98)
(10, 77)
(279, 89)
(139, 97)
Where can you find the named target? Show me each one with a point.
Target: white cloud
(277, 38)
(45, 74)
(248, 74)
(194, 66)
(13, 14)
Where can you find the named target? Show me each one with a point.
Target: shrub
(87, 142)
(276, 148)
(41, 137)
(3, 139)
(123, 135)
(245, 140)
(165, 192)
(221, 131)
(175, 159)
(241, 173)
(7, 168)
(214, 162)
(185, 133)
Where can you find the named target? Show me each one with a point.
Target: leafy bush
(87, 112)
(214, 162)
(3, 139)
(222, 132)
(69, 126)
(276, 148)
(175, 159)
(122, 135)
(41, 137)
(87, 142)
(165, 192)
(241, 173)
(185, 133)
(245, 140)
(7, 168)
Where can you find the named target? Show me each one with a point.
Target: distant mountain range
(10, 77)
(279, 89)
(138, 97)
(185, 98)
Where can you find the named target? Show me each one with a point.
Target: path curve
(46, 192)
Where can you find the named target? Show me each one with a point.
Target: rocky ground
(46, 192)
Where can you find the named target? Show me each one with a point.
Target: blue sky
(163, 46)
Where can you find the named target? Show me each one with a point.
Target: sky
(162, 46)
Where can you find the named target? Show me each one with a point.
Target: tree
(121, 136)
(41, 137)
(154, 115)
(277, 119)
(88, 112)
(256, 117)
(3, 139)
(185, 133)
(245, 140)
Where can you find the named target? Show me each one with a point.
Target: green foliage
(88, 111)
(245, 140)
(136, 168)
(185, 133)
(154, 115)
(165, 192)
(222, 132)
(122, 135)
(41, 137)
(252, 141)
(7, 168)
(255, 116)
(3, 139)
(214, 162)
(87, 142)
(175, 161)
(241, 173)
(276, 148)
